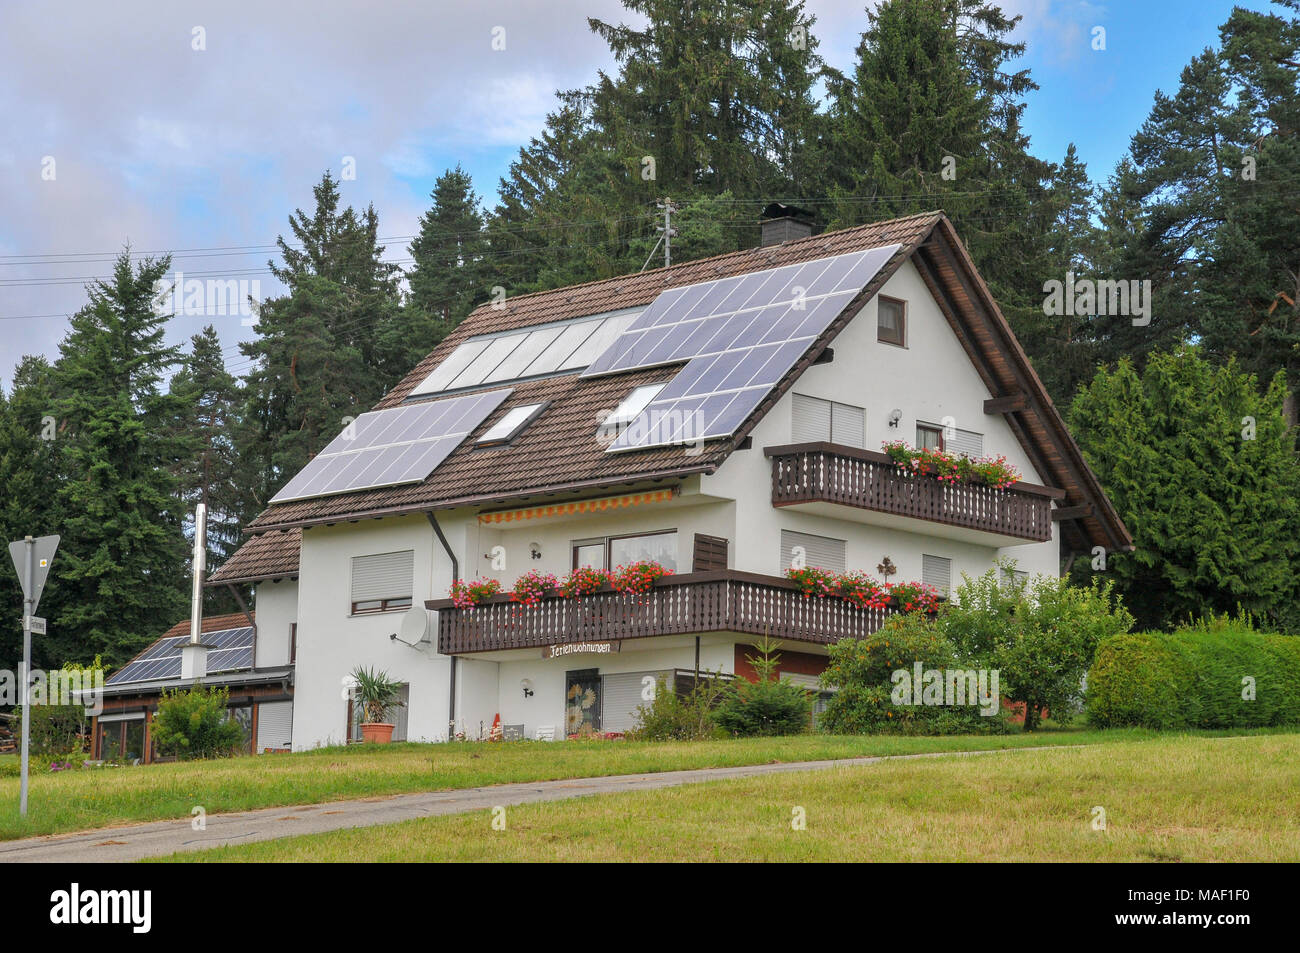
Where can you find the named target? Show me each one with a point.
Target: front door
(582, 702)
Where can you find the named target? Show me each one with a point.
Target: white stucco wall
(275, 609)
(332, 642)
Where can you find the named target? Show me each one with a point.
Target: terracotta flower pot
(377, 732)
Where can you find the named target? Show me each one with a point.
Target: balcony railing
(690, 604)
(866, 479)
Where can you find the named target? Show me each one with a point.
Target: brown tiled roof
(560, 453)
(269, 556)
(215, 623)
(560, 450)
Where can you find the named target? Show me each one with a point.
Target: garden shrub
(861, 670)
(195, 724)
(1040, 636)
(766, 707)
(686, 717)
(1193, 678)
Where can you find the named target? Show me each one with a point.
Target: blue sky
(204, 128)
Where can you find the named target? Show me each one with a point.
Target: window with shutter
(820, 551)
(848, 425)
(937, 571)
(383, 582)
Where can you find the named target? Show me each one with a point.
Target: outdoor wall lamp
(895, 416)
(535, 550)
(527, 685)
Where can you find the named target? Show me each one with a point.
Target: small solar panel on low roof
(739, 337)
(229, 650)
(390, 447)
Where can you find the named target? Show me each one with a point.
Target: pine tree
(450, 275)
(120, 570)
(29, 473)
(208, 401)
(324, 350)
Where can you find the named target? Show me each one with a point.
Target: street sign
(36, 624)
(42, 555)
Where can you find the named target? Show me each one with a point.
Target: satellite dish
(415, 626)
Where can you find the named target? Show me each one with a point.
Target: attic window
(508, 427)
(892, 322)
(633, 404)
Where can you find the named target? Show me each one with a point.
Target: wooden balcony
(690, 604)
(825, 473)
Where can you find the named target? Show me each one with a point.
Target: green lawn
(1177, 798)
(81, 799)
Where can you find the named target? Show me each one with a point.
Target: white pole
(29, 609)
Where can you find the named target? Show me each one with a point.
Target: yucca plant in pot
(377, 694)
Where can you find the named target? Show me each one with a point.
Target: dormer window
(632, 405)
(509, 426)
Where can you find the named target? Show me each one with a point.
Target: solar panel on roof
(230, 650)
(739, 337)
(529, 352)
(390, 447)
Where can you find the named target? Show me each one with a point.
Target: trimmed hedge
(1193, 679)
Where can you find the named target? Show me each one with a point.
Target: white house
(722, 417)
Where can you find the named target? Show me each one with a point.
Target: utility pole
(668, 231)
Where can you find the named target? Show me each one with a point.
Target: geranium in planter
(638, 577)
(531, 586)
(857, 588)
(378, 695)
(466, 594)
(913, 596)
(813, 581)
(582, 582)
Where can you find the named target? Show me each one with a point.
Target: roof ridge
(935, 214)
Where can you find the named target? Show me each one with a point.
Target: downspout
(455, 574)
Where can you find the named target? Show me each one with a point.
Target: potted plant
(377, 694)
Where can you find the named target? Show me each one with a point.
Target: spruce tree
(121, 568)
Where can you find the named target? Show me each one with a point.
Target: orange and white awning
(601, 505)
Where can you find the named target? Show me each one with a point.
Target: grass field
(82, 799)
(1181, 798)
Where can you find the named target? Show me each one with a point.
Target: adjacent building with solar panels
(722, 418)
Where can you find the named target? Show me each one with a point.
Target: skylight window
(509, 426)
(633, 404)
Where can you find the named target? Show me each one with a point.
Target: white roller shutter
(848, 425)
(384, 576)
(274, 725)
(812, 419)
(820, 551)
(621, 696)
(965, 441)
(937, 571)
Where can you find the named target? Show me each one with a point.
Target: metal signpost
(32, 558)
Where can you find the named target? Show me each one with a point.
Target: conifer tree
(120, 569)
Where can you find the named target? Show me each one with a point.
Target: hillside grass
(1172, 799)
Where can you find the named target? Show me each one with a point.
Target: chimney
(194, 654)
(784, 223)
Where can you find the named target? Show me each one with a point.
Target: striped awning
(601, 505)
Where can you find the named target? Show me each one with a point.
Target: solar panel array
(532, 352)
(230, 650)
(391, 447)
(739, 335)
